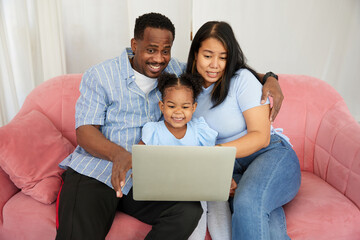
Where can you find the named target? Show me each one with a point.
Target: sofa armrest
(337, 151)
(7, 190)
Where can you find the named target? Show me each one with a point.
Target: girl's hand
(232, 188)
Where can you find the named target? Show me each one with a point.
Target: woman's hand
(232, 188)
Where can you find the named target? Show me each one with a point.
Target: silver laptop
(182, 173)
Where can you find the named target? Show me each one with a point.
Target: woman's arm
(258, 132)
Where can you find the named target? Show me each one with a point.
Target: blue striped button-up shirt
(109, 97)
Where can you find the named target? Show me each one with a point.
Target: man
(117, 98)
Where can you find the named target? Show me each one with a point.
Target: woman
(266, 169)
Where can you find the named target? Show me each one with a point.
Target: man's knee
(195, 210)
(191, 214)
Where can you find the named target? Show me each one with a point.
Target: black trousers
(87, 209)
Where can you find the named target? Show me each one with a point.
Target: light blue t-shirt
(198, 133)
(227, 118)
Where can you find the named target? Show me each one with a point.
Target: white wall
(179, 12)
(93, 31)
(98, 30)
(318, 38)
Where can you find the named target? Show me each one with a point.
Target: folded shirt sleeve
(149, 133)
(206, 135)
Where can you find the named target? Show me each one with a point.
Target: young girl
(179, 128)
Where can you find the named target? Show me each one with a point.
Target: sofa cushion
(321, 212)
(27, 218)
(30, 149)
(24, 215)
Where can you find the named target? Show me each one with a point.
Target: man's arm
(94, 142)
(272, 89)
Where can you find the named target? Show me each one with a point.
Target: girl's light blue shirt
(198, 133)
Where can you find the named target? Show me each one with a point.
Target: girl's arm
(258, 132)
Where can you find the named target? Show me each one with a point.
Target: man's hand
(232, 188)
(94, 142)
(272, 89)
(121, 165)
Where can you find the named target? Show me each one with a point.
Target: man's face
(152, 54)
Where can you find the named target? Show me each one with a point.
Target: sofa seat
(322, 212)
(22, 214)
(340, 215)
(27, 218)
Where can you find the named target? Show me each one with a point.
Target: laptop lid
(182, 173)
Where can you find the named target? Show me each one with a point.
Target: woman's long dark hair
(235, 60)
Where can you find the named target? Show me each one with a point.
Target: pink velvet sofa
(325, 136)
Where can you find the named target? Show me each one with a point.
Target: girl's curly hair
(191, 81)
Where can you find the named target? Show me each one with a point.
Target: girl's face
(177, 107)
(211, 61)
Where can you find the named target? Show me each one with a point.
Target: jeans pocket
(275, 140)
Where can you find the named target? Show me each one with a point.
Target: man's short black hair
(154, 20)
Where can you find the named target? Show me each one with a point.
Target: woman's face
(211, 61)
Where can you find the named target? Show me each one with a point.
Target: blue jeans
(267, 180)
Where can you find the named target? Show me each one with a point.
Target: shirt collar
(127, 72)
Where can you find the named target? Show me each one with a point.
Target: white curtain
(32, 50)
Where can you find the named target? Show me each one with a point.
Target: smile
(212, 74)
(178, 119)
(155, 67)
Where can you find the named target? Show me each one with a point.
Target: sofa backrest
(56, 99)
(325, 135)
(306, 101)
